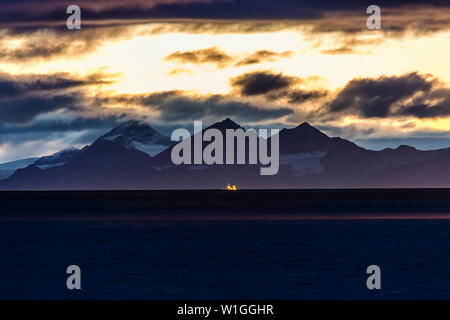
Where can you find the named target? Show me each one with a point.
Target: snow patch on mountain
(8, 168)
(150, 149)
(57, 159)
(303, 163)
(139, 136)
(112, 137)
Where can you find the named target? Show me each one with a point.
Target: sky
(270, 64)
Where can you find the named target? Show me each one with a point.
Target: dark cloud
(45, 43)
(155, 98)
(217, 107)
(24, 110)
(33, 48)
(262, 55)
(348, 131)
(434, 104)
(350, 44)
(411, 94)
(347, 16)
(222, 59)
(430, 110)
(44, 127)
(19, 85)
(339, 50)
(297, 96)
(209, 55)
(43, 23)
(176, 106)
(261, 82)
(138, 9)
(195, 9)
(275, 87)
(375, 97)
(24, 97)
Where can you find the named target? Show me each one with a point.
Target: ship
(230, 187)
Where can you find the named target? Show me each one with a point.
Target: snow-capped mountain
(139, 136)
(133, 135)
(57, 159)
(8, 168)
(308, 159)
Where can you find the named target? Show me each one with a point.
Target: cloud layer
(412, 94)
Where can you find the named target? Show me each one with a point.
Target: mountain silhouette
(164, 158)
(308, 159)
(432, 173)
(303, 138)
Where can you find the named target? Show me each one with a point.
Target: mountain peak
(306, 130)
(304, 125)
(229, 122)
(405, 147)
(302, 139)
(132, 130)
(225, 124)
(139, 135)
(132, 125)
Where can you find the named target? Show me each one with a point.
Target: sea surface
(216, 259)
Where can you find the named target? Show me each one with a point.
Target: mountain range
(136, 156)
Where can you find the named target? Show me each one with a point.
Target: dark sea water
(226, 259)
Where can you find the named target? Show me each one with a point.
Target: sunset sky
(262, 63)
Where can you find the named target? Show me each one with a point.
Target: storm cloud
(24, 110)
(237, 16)
(41, 25)
(261, 82)
(25, 97)
(176, 106)
(50, 10)
(275, 87)
(216, 107)
(19, 85)
(411, 94)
